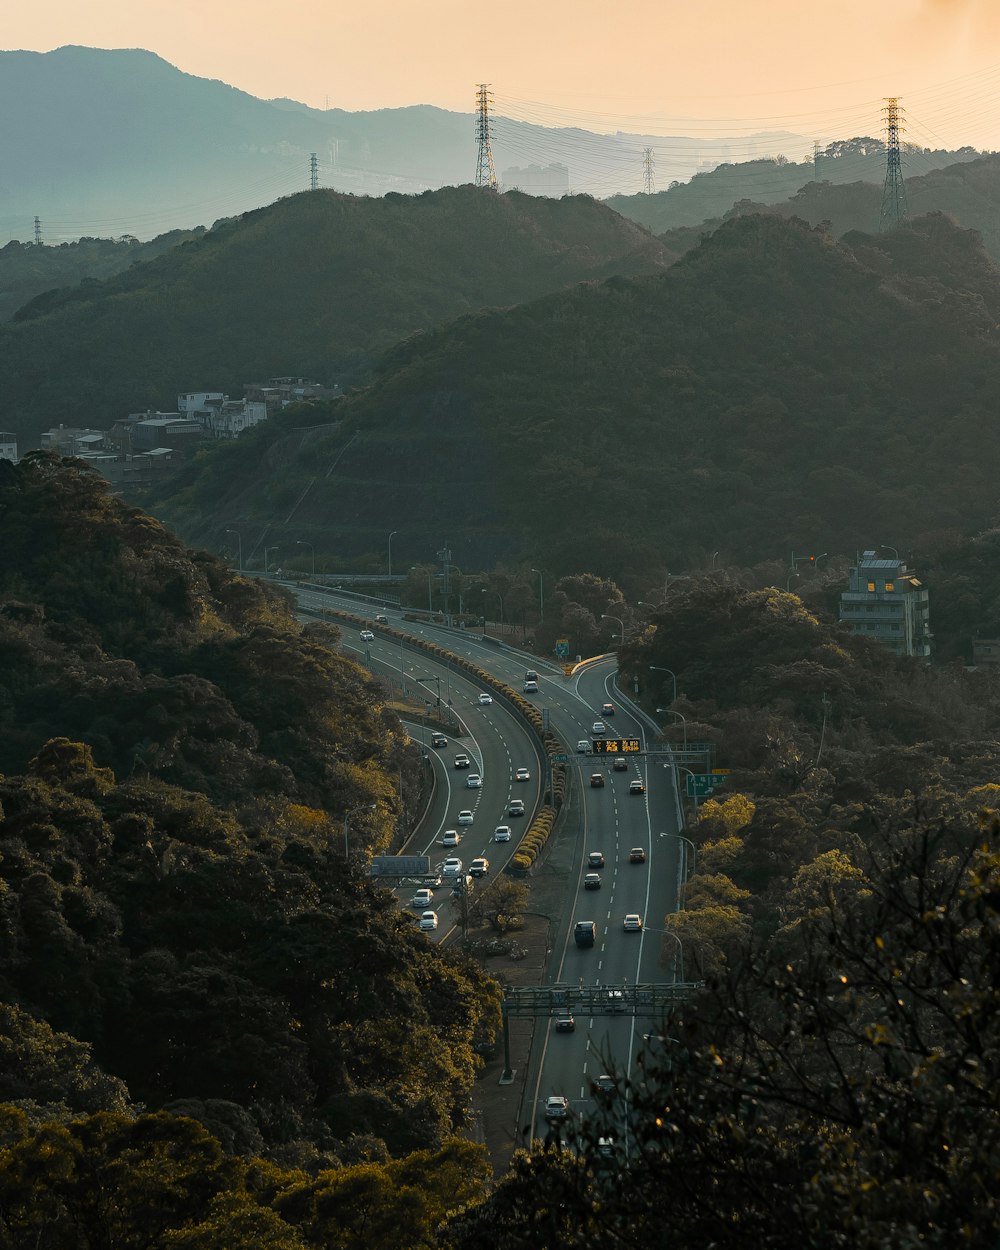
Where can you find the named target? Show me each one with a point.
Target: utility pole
(648, 170)
(313, 172)
(38, 232)
(816, 159)
(486, 174)
(893, 191)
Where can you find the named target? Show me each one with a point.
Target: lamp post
(714, 557)
(886, 547)
(486, 591)
(655, 668)
(694, 852)
(670, 712)
(680, 946)
(541, 593)
(394, 532)
(788, 580)
(361, 807)
(430, 574)
(423, 681)
(606, 616)
(301, 542)
(266, 551)
(694, 788)
(239, 539)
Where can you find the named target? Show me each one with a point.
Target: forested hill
(771, 180)
(314, 285)
(772, 391)
(177, 762)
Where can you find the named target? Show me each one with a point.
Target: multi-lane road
(611, 820)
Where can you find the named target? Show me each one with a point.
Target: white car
(556, 1107)
(465, 817)
(422, 898)
(473, 781)
(451, 837)
(485, 698)
(583, 746)
(452, 867)
(501, 833)
(632, 923)
(367, 636)
(429, 920)
(522, 774)
(600, 727)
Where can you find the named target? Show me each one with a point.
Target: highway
(611, 821)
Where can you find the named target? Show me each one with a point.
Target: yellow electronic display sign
(615, 746)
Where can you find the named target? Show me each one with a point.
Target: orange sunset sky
(711, 67)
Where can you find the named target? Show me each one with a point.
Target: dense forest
(772, 391)
(314, 285)
(182, 932)
(30, 271)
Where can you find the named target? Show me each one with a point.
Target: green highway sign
(559, 759)
(700, 785)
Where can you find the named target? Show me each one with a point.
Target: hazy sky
(817, 68)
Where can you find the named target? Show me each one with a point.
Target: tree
(500, 904)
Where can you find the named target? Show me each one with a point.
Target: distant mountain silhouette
(110, 142)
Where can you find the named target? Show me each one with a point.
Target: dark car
(595, 859)
(438, 740)
(597, 780)
(565, 1024)
(620, 765)
(592, 881)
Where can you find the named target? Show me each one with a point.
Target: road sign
(700, 785)
(400, 865)
(562, 648)
(559, 759)
(616, 746)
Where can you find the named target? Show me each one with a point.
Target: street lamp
(541, 593)
(680, 946)
(694, 789)
(694, 852)
(301, 542)
(655, 668)
(606, 616)
(361, 807)
(670, 712)
(266, 550)
(486, 591)
(430, 574)
(394, 532)
(714, 555)
(886, 547)
(239, 539)
(788, 581)
(423, 680)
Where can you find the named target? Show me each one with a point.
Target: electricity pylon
(893, 191)
(486, 174)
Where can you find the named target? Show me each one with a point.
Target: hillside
(314, 285)
(772, 391)
(771, 180)
(178, 763)
(28, 270)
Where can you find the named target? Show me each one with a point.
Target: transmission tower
(38, 231)
(486, 174)
(313, 172)
(893, 192)
(816, 159)
(648, 169)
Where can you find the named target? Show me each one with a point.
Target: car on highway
(605, 1083)
(462, 761)
(620, 765)
(438, 740)
(632, 923)
(485, 698)
(637, 855)
(473, 781)
(530, 687)
(522, 774)
(367, 636)
(422, 898)
(592, 881)
(381, 618)
(451, 837)
(429, 920)
(501, 833)
(556, 1107)
(515, 807)
(595, 859)
(479, 867)
(637, 787)
(531, 675)
(596, 780)
(583, 746)
(452, 867)
(608, 709)
(585, 932)
(565, 1024)
(599, 728)
(465, 817)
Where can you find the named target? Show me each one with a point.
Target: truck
(585, 933)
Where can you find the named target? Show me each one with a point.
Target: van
(585, 933)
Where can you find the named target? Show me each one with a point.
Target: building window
(871, 588)
(890, 587)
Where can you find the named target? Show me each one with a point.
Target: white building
(8, 446)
